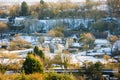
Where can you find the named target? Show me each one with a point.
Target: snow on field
(9, 61)
(82, 53)
(29, 38)
(75, 44)
(73, 59)
(26, 38)
(21, 55)
(22, 51)
(18, 51)
(90, 59)
(80, 57)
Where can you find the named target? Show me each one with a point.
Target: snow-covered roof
(4, 20)
(47, 38)
(92, 54)
(74, 36)
(19, 18)
(75, 44)
(56, 40)
(101, 41)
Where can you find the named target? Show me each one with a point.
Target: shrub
(22, 76)
(18, 44)
(36, 76)
(13, 46)
(27, 46)
(3, 68)
(56, 76)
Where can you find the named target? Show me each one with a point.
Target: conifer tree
(39, 52)
(24, 9)
(32, 64)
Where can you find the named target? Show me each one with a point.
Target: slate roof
(100, 35)
(71, 33)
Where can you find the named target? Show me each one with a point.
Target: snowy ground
(21, 55)
(18, 51)
(83, 59)
(80, 57)
(9, 61)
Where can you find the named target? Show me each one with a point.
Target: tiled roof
(101, 35)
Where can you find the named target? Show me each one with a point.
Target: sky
(44, 0)
(37, 0)
(30, 2)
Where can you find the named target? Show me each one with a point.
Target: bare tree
(114, 7)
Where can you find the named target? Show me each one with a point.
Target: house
(72, 35)
(16, 21)
(52, 48)
(19, 21)
(56, 48)
(5, 20)
(47, 40)
(116, 45)
(55, 44)
(50, 40)
(11, 20)
(45, 47)
(101, 42)
(60, 48)
(101, 39)
(56, 40)
(75, 45)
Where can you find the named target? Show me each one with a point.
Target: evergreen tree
(32, 64)
(39, 52)
(24, 9)
(41, 1)
(36, 49)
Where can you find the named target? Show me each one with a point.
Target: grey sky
(44, 0)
